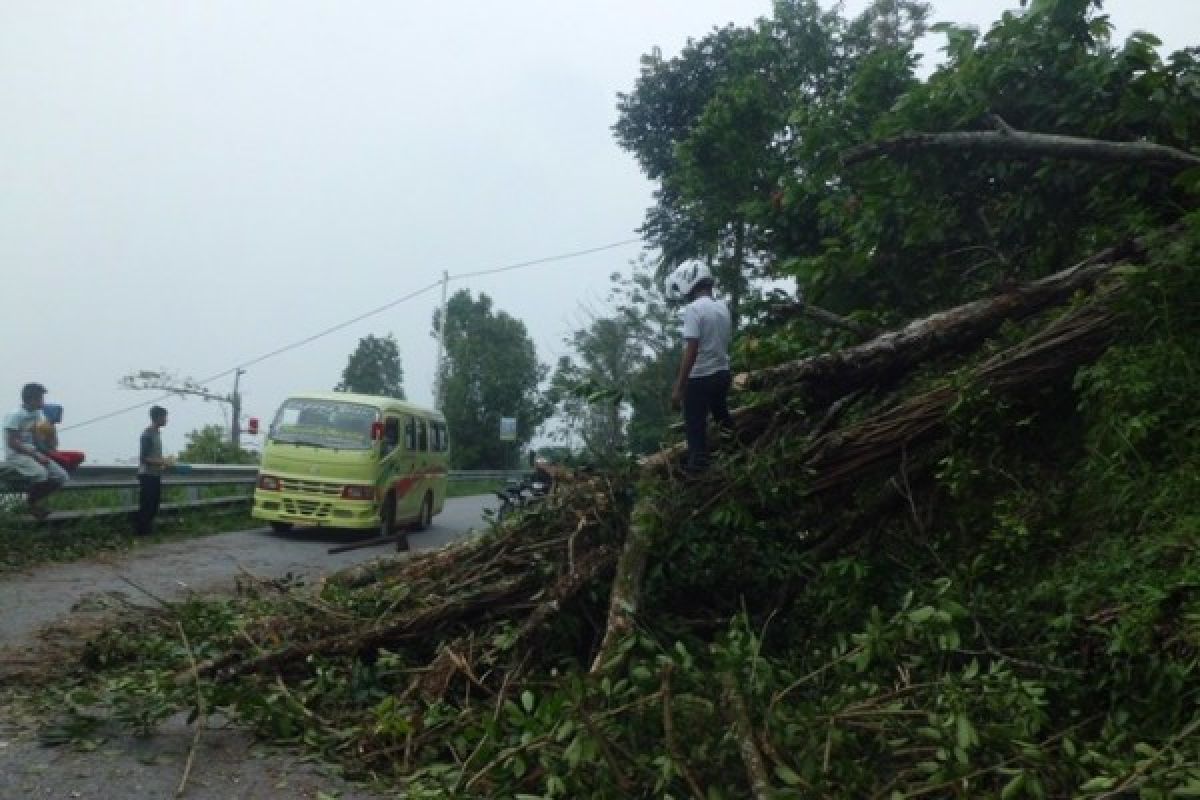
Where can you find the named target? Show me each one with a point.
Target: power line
(359, 318)
(546, 260)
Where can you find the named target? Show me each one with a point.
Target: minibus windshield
(323, 423)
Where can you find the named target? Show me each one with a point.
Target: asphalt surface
(53, 601)
(43, 595)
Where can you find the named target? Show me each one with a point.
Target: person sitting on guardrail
(22, 455)
(151, 466)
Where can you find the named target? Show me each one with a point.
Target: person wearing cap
(22, 454)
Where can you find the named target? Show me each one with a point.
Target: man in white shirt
(21, 452)
(702, 386)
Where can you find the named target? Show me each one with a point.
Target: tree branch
(1010, 142)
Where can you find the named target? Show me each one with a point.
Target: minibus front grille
(320, 488)
(309, 509)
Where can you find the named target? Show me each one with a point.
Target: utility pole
(437, 377)
(235, 411)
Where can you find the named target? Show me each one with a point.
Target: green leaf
(922, 614)
(1097, 783)
(788, 775)
(965, 732)
(1013, 787)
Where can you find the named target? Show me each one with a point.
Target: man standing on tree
(151, 466)
(22, 454)
(703, 382)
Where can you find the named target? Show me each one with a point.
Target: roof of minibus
(376, 401)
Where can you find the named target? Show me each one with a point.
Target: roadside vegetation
(956, 560)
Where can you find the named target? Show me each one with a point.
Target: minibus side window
(391, 435)
(423, 434)
(410, 434)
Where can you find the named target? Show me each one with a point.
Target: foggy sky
(192, 185)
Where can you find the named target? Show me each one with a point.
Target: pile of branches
(478, 624)
(521, 574)
(528, 572)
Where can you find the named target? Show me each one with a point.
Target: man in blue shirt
(22, 454)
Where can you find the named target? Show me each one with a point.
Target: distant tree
(490, 370)
(211, 445)
(591, 386)
(613, 392)
(374, 368)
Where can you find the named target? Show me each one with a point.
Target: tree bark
(1027, 145)
(626, 590)
(1052, 354)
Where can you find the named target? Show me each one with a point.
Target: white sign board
(508, 429)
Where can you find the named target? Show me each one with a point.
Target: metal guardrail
(125, 477)
(192, 478)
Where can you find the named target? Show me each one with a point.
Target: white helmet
(685, 278)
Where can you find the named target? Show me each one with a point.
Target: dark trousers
(149, 496)
(703, 396)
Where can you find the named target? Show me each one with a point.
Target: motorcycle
(520, 496)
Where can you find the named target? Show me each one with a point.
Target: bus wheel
(426, 517)
(281, 527)
(387, 516)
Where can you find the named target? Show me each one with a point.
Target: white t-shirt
(708, 321)
(23, 421)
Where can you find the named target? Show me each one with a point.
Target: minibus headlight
(268, 482)
(358, 492)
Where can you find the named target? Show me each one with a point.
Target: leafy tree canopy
(211, 445)
(613, 391)
(490, 371)
(374, 368)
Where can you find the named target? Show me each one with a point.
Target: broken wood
(828, 376)
(626, 586)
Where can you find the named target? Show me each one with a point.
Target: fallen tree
(467, 668)
(575, 541)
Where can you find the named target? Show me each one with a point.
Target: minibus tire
(281, 527)
(426, 515)
(387, 516)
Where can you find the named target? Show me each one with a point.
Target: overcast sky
(193, 185)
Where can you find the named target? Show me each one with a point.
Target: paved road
(229, 764)
(43, 595)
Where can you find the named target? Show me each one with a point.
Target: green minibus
(352, 461)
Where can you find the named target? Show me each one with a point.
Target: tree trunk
(828, 376)
(626, 586)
